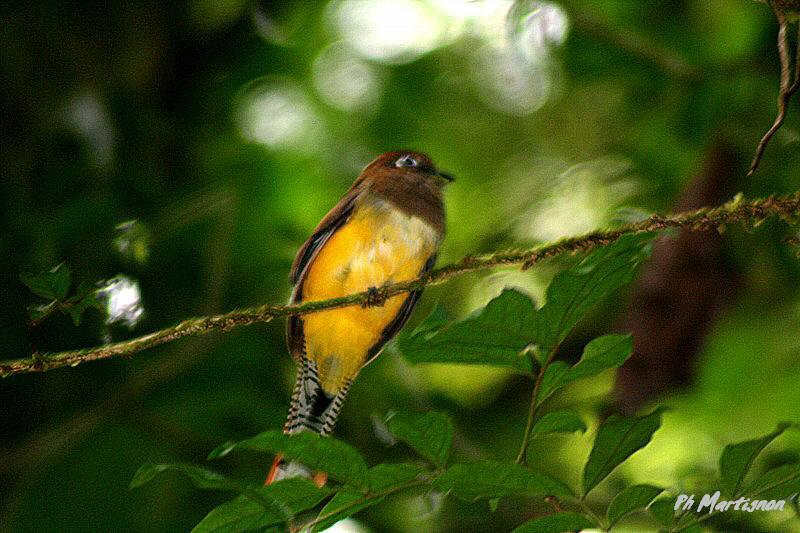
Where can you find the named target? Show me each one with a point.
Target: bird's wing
(397, 323)
(335, 219)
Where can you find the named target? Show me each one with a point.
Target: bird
(387, 228)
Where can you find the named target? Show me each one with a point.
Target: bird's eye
(406, 161)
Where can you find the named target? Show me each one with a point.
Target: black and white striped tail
(311, 409)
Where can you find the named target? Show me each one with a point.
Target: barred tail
(311, 409)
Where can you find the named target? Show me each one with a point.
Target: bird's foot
(376, 297)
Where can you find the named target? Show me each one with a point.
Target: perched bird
(387, 228)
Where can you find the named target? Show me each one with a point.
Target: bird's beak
(446, 176)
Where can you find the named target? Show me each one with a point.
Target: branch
(789, 82)
(697, 220)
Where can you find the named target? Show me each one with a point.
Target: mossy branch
(704, 219)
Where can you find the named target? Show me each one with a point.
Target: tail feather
(311, 409)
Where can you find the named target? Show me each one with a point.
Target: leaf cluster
(54, 286)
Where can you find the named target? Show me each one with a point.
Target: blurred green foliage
(226, 129)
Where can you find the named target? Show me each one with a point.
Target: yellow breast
(379, 244)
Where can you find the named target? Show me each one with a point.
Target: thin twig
(698, 220)
(522, 458)
(788, 85)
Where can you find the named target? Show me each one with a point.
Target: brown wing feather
(335, 218)
(330, 223)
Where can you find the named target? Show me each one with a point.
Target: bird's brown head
(406, 165)
(411, 181)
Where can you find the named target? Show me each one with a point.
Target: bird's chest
(378, 244)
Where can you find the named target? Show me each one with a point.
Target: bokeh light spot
(582, 198)
(394, 31)
(279, 115)
(86, 114)
(346, 82)
(543, 26)
(510, 84)
(513, 67)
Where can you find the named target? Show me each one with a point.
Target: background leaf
(490, 479)
(38, 312)
(617, 439)
(561, 421)
(663, 510)
(495, 335)
(575, 291)
(736, 459)
(629, 500)
(263, 507)
(202, 478)
(53, 284)
(340, 460)
(777, 483)
(602, 353)
(498, 333)
(347, 502)
(556, 523)
(238, 515)
(430, 434)
(85, 297)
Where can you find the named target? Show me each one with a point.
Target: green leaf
(663, 510)
(430, 434)
(777, 483)
(491, 479)
(291, 496)
(561, 421)
(264, 507)
(344, 504)
(617, 439)
(602, 353)
(629, 500)
(340, 460)
(52, 284)
(557, 523)
(238, 515)
(386, 475)
(85, 297)
(348, 502)
(434, 321)
(500, 332)
(201, 477)
(575, 291)
(495, 335)
(38, 312)
(684, 520)
(736, 459)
